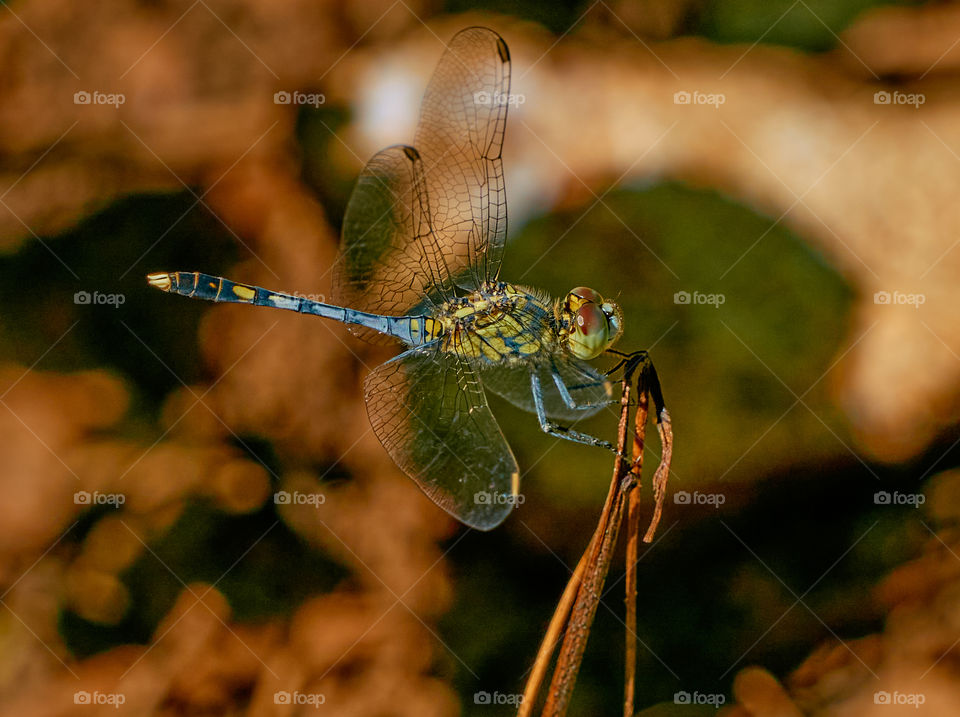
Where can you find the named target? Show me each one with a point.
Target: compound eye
(587, 294)
(590, 320)
(590, 330)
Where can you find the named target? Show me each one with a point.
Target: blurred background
(769, 188)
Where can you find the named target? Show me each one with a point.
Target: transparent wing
(420, 220)
(429, 411)
(460, 137)
(389, 261)
(585, 385)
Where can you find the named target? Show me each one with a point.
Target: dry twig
(586, 583)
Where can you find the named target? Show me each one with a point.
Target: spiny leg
(649, 381)
(639, 361)
(569, 399)
(557, 430)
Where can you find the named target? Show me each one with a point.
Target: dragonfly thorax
(498, 323)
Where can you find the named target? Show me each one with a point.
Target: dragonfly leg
(557, 430)
(568, 398)
(631, 362)
(649, 383)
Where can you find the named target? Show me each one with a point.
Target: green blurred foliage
(643, 247)
(810, 25)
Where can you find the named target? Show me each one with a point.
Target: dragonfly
(423, 238)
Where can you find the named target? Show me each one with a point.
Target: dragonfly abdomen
(412, 330)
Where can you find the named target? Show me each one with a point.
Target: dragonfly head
(595, 324)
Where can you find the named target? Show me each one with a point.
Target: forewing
(389, 261)
(460, 137)
(586, 386)
(429, 411)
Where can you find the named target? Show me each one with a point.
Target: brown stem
(633, 536)
(633, 530)
(595, 573)
(551, 638)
